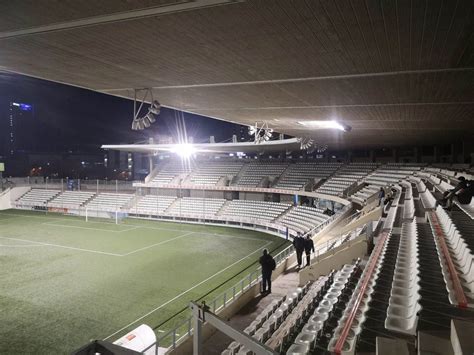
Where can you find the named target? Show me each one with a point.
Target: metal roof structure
(398, 72)
(290, 145)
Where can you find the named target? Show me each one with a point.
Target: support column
(150, 162)
(197, 331)
(436, 154)
(349, 156)
(395, 155)
(417, 154)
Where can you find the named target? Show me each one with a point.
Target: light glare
(323, 124)
(184, 150)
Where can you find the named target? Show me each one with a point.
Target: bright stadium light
(325, 125)
(184, 150)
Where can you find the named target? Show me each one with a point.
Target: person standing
(298, 243)
(463, 192)
(268, 265)
(308, 248)
(381, 196)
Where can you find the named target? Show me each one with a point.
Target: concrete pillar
(417, 154)
(436, 154)
(468, 150)
(371, 155)
(395, 155)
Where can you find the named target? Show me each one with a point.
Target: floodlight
(146, 122)
(252, 130)
(268, 134)
(141, 122)
(151, 117)
(184, 150)
(306, 143)
(325, 125)
(135, 124)
(155, 107)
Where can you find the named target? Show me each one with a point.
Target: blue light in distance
(23, 107)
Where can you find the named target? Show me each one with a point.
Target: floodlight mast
(261, 132)
(141, 122)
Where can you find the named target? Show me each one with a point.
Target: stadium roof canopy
(398, 72)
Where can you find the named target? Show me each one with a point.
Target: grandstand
(151, 243)
(396, 291)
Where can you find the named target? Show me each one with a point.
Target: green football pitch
(65, 281)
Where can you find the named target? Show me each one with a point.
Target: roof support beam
(310, 78)
(183, 5)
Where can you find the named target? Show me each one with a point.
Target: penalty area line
(159, 243)
(63, 246)
(188, 290)
(87, 228)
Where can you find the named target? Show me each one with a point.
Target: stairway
(223, 207)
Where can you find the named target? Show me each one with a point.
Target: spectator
(381, 196)
(268, 265)
(298, 243)
(463, 192)
(308, 248)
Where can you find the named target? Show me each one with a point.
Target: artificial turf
(65, 281)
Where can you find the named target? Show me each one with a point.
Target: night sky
(74, 119)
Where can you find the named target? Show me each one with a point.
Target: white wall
(11, 195)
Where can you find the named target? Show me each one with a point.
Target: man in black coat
(308, 248)
(298, 243)
(268, 265)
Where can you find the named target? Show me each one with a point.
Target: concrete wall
(334, 259)
(10, 195)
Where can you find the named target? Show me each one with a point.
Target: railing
(179, 333)
(173, 337)
(77, 184)
(364, 283)
(315, 194)
(440, 235)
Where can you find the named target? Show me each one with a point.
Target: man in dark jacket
(268, 265)
(308, 248)
(298, 243)
(381, 195)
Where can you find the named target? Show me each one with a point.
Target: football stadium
(237, 177)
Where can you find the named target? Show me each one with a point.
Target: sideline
(189, 289)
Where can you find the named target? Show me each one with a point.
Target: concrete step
(434, 343)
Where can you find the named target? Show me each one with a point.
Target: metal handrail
(368, 274)
(244, 284)
(439, 233)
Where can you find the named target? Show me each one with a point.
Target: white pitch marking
(159, 243)
(129, 229)
(189, 289)
(203, 232)
(63, 246)
(79, 227)
(128, 224)
(21, 246)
